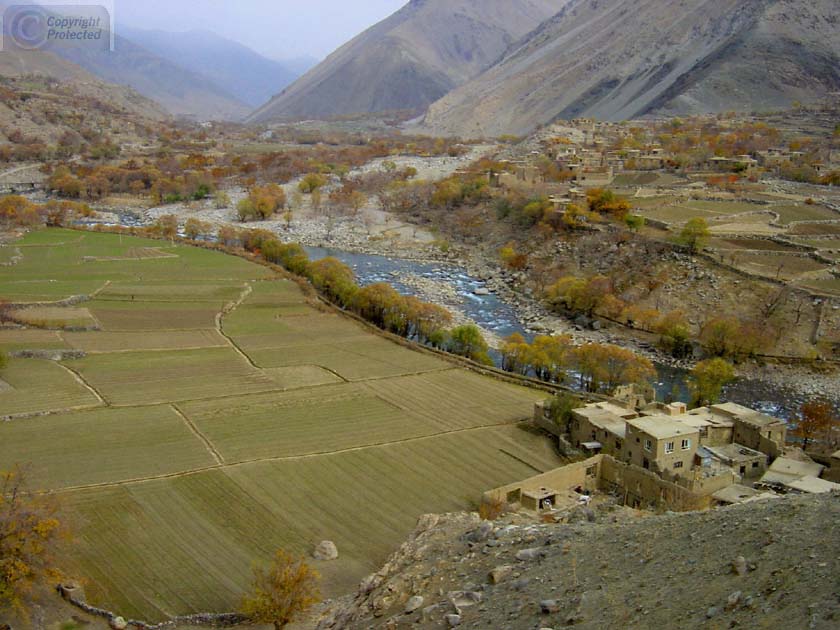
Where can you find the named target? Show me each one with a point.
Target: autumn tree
(604, 367)
(467, 341)
(730, 337)
(516, 354)
(695, 234)
(195, 228)
(30, 534)
(675, 335)
(282, 592)
(312, 182)
(167, 226)
(707, 380)
(816, 419)
(581, 295)
(606, 202)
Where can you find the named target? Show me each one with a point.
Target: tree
(167, 226)
(282, 592)
(516, 354)
(707, 380)
(675, 335)
(221, 200)
(467, 341)
(635, 222)
(194, 228)
(607, 202)
(816, 418)
(29, 537)
(604, 367)
(695, 234)
(312, 182)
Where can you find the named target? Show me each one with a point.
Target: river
(496, 316)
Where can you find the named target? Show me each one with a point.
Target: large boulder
(325, 551)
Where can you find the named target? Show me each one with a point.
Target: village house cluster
(657, 454)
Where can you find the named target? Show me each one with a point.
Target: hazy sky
(275, 28)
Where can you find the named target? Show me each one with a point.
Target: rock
(521, 584)
(527, 555)
(480, 534)
(326, 550)
(481, 291)
(428, 611)
(500, 574)
(118, 623)
(453, 620)
(549, 606)
(464, 599)
(72, 592)
(733, 600)
(740, 567)
(413, 604)
(712, 612)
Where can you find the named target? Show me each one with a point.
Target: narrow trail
(285, 458)
(197, 432)
(80, 379)
(227, 310)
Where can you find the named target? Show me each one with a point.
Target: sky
(278, 29)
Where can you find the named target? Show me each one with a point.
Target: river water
(498, 317)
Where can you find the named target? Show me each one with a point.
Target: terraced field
(217, 416)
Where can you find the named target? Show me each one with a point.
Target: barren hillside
(772, 564)
(410, 59)
(621, 60)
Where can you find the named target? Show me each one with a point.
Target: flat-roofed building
(661, 444)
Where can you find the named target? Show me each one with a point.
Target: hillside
(612, 568)
(410, 59)
(621, 60)
(230, 66)
(181, 91)
(44, 97)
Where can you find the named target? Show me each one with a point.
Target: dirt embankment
(771, 564)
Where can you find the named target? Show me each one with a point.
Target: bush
(281, 593)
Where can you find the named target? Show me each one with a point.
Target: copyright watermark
(28, 27)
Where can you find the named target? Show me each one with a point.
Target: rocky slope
(410, 59)
(772, 564)
(621, 60)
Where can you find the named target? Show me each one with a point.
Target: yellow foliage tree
(29, 535)
(281, 592)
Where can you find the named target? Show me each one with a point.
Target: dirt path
(197, 432)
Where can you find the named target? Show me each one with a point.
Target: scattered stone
(480, 534)
(739, 566)
(118, 623)
(464, 599)
(500, 574)
(733, 600)
(712, 612)
(428, 611)
(325, 551)
(453, 620)
(549, 606)
(521, 584)
(527, 555)
(414, 604)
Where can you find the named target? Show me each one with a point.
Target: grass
(12, 340)
(105, 445)
(205, 459)
(97, 342)
(41, 386)
(804, 212)
(137, 378)
(164, 546)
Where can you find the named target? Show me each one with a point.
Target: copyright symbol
(26, 27)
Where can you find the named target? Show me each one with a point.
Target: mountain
(410, 59)
(181, 91)
(24, 67)
(230, 66)
(300, 65)
(628, 58)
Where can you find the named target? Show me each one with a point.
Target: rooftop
(662, 427)
(813, 485)
(705, 417)
(742, 494)
(734, 453)
(747, 415)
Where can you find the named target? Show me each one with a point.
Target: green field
(218, 416)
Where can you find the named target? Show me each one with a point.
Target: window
(755, 464)
(678, 464)
(669, 448)
(648, 445)
(686, 444)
